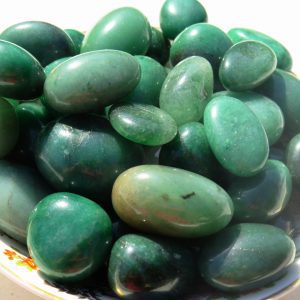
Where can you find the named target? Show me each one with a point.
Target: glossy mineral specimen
(246, 256)
(54, 64)
(44, 41)
(292, 157)
(236, 136)
(246, 65)
(145, 267)
(90, 81)
(171, 202)
(125, 29)
(69, 236)
(187, 89)
(284, 59)
(21, 75)
(176, 15)
(143, 124)
(77, 38)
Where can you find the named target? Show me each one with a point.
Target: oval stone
(90, 81)
(143, 124)
(171, 202)
(246, 65)
(61, 230)
(292, 156)
(236, 136)
(246, 256)
(187, 89)
(77, 38)
(125, 29)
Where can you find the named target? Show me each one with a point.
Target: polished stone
(77, 38)
(292, 156)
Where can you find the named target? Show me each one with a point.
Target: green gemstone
(54, 64)
(292, 156)
(77, 38)
(69, 236)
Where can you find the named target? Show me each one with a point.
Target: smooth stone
(292, 157)
(284, 59)
(21, 190)
(148, 88)
(69, 236)
(245, 256)
(77, 38)
(90, 81)
(187, 89)
(236, 136)
(246, 65)
(190, 151)
(21, 75)
(176, 15)
(145, 267)
(201, 39)
(263, 196)
(125, 29)
(84, 155)
(265, 109)
(143, 124)
(46, 42)
(171, 202)
(9, 127)
(48, 69)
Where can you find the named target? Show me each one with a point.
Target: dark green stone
(246, 65)
(277, 153)
(77, 38)
(54, 64)
(44, 41)
(13, 102)
(69, 236)
(246, 256)
(292, 157)
(125, 29)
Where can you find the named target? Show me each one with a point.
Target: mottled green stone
(44, 41)
(145, 267)
(187, 89)
(284, 59)
(125, 29)
(246, 256)
(143, 124)
(21, 75)
(77, 38)
(54, 64)
(292, 156)
(171, 202)
(90, 81)
(246, 65)
(69, 236)
(236, 136)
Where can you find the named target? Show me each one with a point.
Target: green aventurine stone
(246, 256)
(284, 59)
(187, 89)
(143, 124)
(125, 29)
(44, 41)
(69, 236)
(262, 196)
(148, 267)
(21, 75)
(171, 202)
(90, 81)
(54, 64)
(236, 136)
(176, 15)
(246, 65)
(21, 189)
(77, 38)
(292, 157)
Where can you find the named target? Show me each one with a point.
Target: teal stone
(77, 38)
(46, 42)
(90, 81)
(236, 136)
(143, 124)
(190, 151)
(171, 202)
(201, 39)
(246, 65)
(84, 155)
(292, 157)
(284, 59)
(148, 88)
(145, 267)
(176, 15)
(125, 29)
(245, 256)
(187, 89)
(21, 75)
(69, 236)
(54, 64)
(261, 197)
(21, 190)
